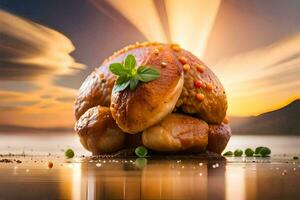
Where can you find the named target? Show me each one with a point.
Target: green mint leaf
(128, 75)
(130, 62)
(120, 87)
(133, 82)
(122, 79)
(117, 69)
(147, 74)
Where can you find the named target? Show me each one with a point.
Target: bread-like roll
(202, 92)
(99, 132)
(177, 133)
(97, 87)
(150, 102)
(95, 90)
(218, 137)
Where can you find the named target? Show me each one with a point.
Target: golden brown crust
(151, 102)
(97, 87)
(177, 133)
(134, 111)
(95, 90)
(98, 131)
(211, 103)
(218, 137)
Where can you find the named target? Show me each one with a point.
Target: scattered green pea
(141, 162)
(249, 152)
(295, 157)
(258, 149)
(265, 151)
(238, 152)
(69, 153)
(228, 153)
(141, 151)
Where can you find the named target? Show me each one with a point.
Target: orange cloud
(263, 79)
(35, 54)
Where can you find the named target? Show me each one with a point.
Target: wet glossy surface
(277, 177)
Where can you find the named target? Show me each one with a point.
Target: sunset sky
(47, 48)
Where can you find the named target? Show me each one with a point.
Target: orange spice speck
(200, 96)
(198, 84)
(101, 75)
(200, 68)
(163, 64)
(50, 164)
(226, 120)
(209, 86)
(175, 47)
(186, 67)
(183, 60)
(156, 51)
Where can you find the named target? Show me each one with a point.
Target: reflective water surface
(277, 177)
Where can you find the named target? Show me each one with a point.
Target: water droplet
(98, 165)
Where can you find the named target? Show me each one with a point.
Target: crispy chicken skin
(136, 110)
(199, 79)
(95, 90)
(98, 131)
(97, 87)
(185, 85)
(177, 133)
(218, 137)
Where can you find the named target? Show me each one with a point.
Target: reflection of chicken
(185, 84)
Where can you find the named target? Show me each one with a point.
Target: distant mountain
(284, 121)
(25, 129)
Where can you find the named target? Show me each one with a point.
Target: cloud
(262, 79)
(29, 50)
(31, 57)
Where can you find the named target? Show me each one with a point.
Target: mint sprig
(129, 75)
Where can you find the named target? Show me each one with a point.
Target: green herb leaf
(133, 82)
(117, 69)
(128, 75)
(120, 87)
(130, 62)
(122, 79)
(147, 74)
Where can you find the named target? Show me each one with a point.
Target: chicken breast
(202, 93)
(150, 102)
(177, 133)
(97, 87)
(95, 90)
(99, 132)
(218, 137)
